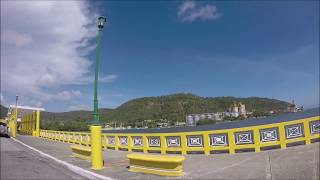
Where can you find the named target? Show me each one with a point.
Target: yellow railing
(30, 123)
(253, 138)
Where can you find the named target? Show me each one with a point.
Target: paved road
(299, 162)
(18, 162)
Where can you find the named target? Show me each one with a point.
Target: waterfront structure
(236, 110)
(292, 107)
(255, 135)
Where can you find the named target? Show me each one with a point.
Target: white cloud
(108, 78)
(102, 79)
(44, 47)
(79, 107)
(190, 11)
(67, 95)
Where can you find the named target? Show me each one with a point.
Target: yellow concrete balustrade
(251, 138)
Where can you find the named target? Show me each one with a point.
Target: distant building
(292, 107)
(180, 123)
(161, 124)
(235, 110)
(242, 109)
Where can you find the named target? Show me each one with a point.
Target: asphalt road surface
(18, 162)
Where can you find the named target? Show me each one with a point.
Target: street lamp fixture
(101, 22)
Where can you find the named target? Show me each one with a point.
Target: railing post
(81, 138)
(256, 139)
(145, 143)
(206, 144)
(116, 142)
(65, 137)
(306, 129)
(231, 142)
(183, 144)
(69, 137)
(162, 144)
(129, 143)
(87, 140)
(282, 136)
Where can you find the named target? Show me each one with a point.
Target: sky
(208, 48)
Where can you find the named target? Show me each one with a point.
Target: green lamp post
(101, 21)
(95, 128)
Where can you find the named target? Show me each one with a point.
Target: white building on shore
(236, 110)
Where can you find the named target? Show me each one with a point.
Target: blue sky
(209, 48)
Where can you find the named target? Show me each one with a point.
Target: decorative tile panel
(270, 134)
(218, 139)
(314, 127)
(137, 141)
(245, 137)
(195, 141)
(294, 131)
(110, 140)
(123, 140)
(173, 141)
(154, 141)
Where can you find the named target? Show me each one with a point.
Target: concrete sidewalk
(19, 162)
(300, 162)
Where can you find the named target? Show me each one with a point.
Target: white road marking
(223, 168)
(73, 168)
(268, 167)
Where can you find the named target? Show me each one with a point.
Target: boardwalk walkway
(18, 162)
(300, 162)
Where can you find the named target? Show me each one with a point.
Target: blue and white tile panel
(123, 140)
(314, 127)
(269, 134)
(154, 141)
(173, 141)
(244, 137)
(137, 141)
(195, 141)
(110, 140)
(218, 139)
(294, 131)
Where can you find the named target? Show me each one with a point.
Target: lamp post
(95, 121)
(96, 148)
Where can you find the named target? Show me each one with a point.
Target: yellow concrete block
(82, 152)
(156, 164)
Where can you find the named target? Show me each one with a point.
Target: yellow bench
(156, 164)
(82, 152)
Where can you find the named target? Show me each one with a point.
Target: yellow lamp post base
(96, 148)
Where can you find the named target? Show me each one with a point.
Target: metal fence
(252, 138)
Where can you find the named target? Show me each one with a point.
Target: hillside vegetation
(171, 107)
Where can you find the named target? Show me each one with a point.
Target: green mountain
(173, 108)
